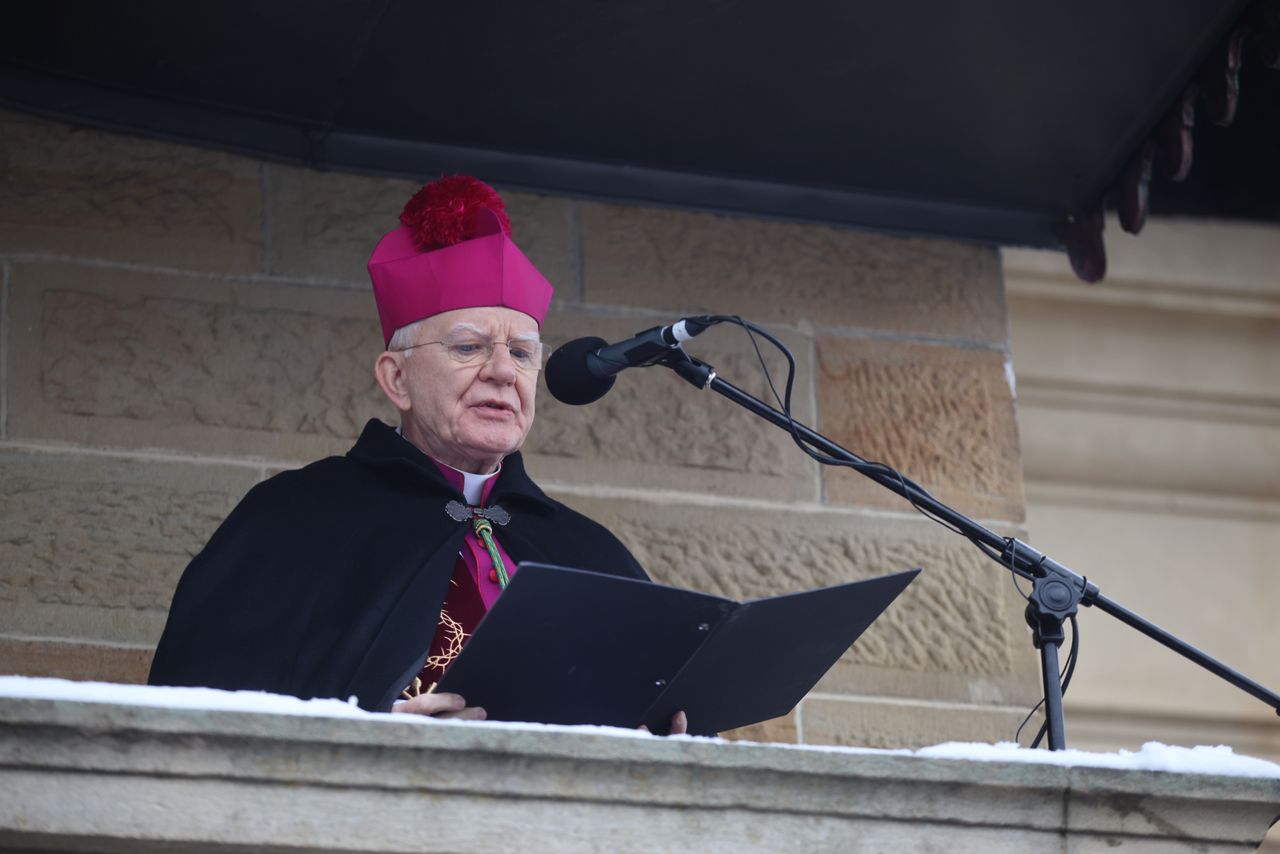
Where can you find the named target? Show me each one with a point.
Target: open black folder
(566, 646)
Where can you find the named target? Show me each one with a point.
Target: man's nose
(499, 367)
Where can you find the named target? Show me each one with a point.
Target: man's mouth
(494, 406)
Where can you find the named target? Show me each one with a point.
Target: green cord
(484, 530)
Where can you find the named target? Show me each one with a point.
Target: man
(364, 575)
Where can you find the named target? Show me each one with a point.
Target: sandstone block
(654, 430)
(776, 731)
(541, 225)
(774, 272)
(885, 724)
(94, 662)
(92, 194)
(960, 617)
(325, 224)
(122, 358)
(91, 547)
(942, 416)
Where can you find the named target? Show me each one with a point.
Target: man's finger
(431, 704)
(679, 723)
(470, 713)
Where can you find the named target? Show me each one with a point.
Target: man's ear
(389, 370)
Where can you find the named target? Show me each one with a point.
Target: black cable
(869, 467)
(1014, 572)
(1017, 735)
(858, 464)
(866, 467)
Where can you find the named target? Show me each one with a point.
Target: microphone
(584, 370)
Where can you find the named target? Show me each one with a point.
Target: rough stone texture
(960, 617)
(782, 273)
(91, 194)
(655, 430)
(890, 725)
(325, 225)
(185, 780)
(942, 416)
(75, 660)
(91, 547)
(149, 360)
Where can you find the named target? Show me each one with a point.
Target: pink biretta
(453, 250)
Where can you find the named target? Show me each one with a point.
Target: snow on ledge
(1152, 757)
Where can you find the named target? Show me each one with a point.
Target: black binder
(566, 646)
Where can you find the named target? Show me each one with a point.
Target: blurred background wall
(1149, 409)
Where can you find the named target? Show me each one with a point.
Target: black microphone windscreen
(568, 378)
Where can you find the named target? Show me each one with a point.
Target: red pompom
(444, 212)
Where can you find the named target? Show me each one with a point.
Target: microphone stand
(1057, 592)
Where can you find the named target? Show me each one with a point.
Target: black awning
(990, 121)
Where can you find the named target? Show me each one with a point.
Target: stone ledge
(93, 776)
(1123, 447)
(1146, 351)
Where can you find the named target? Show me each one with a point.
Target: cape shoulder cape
(328, 581)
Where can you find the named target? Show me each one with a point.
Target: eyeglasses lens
(526, 355)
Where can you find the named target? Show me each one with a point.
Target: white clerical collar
(472, 484)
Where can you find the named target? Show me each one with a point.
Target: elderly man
(364, 575)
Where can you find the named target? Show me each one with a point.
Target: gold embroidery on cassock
(454, 638)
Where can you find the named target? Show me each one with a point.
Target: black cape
(328, 581)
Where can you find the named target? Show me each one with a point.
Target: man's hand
(679, 724)
(440, 706)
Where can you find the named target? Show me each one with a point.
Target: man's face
(470, 415)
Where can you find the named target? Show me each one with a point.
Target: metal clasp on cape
(460, 512)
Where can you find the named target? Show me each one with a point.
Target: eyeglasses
(468, 348)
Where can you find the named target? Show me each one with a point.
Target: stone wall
(180, 323)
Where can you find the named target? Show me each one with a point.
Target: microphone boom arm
(1056, 590)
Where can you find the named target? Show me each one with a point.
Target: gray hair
(404, 337)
